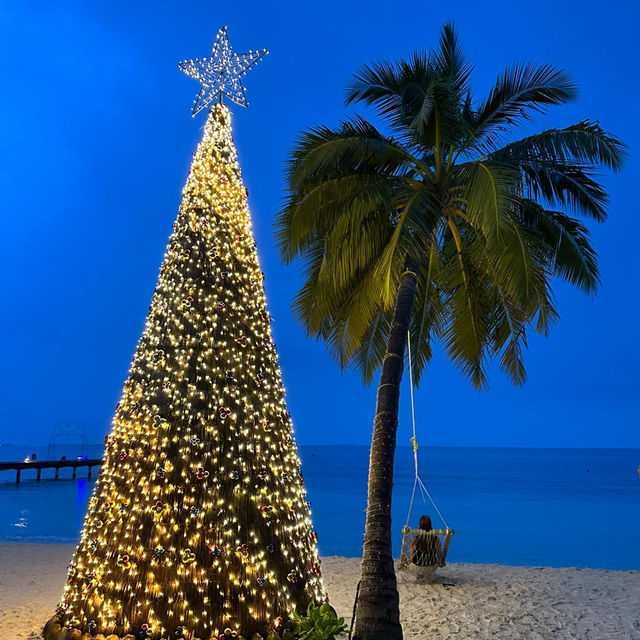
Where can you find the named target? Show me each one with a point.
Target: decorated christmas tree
(198, 526)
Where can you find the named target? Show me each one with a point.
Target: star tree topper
(221, 73)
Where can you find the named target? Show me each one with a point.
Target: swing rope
(417, 483)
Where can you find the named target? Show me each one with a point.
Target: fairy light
(221, 74)
(198, 526)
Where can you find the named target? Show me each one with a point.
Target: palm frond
(547, 314)
(428, 318)
(509, 335)
(413, 226)
(511, 360)
(485, 192)
(420, 98)
(466, 331)
(571, 255)
(367, 358)
(519, 93)
(565, 186)
(382, 83)
(451, 67)
(355, 146)
(350, 323)
(583, 144)
(485, 225)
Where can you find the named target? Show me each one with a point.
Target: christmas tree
(198, 526)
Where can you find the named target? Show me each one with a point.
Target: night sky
(96, 143)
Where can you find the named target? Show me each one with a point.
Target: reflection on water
(22, 520)
(83, 490)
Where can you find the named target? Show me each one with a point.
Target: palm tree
(445, 226)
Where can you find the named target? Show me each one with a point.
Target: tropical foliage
(319, 623)
(481, 219)
(440, 222)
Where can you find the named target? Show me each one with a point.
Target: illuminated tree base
(54, 631)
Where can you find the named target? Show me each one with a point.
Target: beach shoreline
(465, 601)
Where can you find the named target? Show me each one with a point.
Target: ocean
(534, 507)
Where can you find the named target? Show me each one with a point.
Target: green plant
(319, 623)
(445, 223)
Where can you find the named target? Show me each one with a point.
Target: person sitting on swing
(425, 550)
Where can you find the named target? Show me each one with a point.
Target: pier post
(57, 473)
(75, 469)
(89, 474)
(38, 475)
(17, 475)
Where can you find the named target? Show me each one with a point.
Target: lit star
(221, 73)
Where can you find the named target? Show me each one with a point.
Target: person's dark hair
(425, 523)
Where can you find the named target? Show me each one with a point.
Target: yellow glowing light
(199, 518)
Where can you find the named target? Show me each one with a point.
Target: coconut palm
(444, 225)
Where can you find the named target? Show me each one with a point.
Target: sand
(465, 601)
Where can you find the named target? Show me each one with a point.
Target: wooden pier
(39, 465)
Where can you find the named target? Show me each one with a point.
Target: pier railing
(39, 465)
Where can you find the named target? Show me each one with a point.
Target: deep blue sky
(96, 144)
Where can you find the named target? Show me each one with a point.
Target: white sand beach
(465, 601)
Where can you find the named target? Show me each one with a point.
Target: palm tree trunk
(377, 611)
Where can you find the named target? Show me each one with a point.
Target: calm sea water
(553, 507)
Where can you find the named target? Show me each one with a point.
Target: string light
(221, 74)
(198, 526)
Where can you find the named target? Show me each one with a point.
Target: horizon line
(399, 446)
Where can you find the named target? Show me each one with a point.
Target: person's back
(426, 550)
